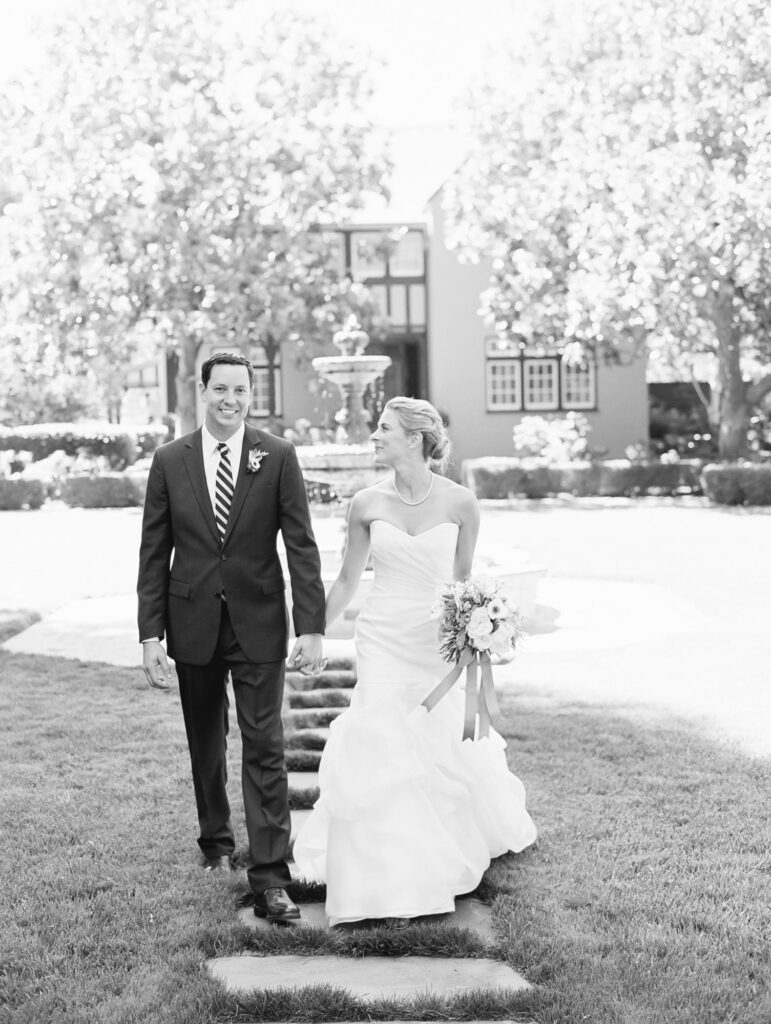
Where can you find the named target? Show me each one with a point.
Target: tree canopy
(172, 165)
(621, 187)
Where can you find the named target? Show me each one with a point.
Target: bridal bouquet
(476, 625)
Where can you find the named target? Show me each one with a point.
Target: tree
(622, 190)
(174, 164)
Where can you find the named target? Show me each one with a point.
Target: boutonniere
(254, 459)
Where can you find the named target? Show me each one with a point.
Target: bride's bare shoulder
(454, 491)
(364, 500)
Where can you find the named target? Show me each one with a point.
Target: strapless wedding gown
(408, 815)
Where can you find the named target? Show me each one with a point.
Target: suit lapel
(193, 459)
(244, 481)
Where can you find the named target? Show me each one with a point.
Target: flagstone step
(302, 796)
(299, 781)
(371, 977)
(469, 913)
(309, 718)
(305, 739)
(326, 680)
(302, 760)
(320, 698)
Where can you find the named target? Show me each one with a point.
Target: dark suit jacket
(179, 598)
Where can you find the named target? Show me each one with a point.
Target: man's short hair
(228, 359)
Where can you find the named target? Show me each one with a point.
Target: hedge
(511, 477)
(109, 490)
(121, 445)
(16, 493)
(738, 484)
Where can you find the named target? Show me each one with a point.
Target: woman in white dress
(409, 816)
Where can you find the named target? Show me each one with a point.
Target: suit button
(224, 558)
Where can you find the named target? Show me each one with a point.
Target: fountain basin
(344, 467)
(346, 371)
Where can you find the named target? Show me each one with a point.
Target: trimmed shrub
(120, 445)
(110, 490)
(509, 477)
(738, 483)
(16, 493)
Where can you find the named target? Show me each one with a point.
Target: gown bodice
(419, 562)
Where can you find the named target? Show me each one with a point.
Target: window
(577, 386)
(517, 382)
(261, 397)
(418, 307)
(398, 301)
(407, 257)
(541, 384)
(504, 384)
(379, 295)
(367, 255)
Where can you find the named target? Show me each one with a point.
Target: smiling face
(392, 443)
(227, 397)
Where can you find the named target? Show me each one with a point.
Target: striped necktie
(223, 492)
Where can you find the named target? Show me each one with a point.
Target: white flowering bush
(552, 440)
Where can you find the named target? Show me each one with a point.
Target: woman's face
(391, 441)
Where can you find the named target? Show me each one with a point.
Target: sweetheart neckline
(412, 535)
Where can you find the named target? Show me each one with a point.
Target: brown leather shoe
(220, 865)
(275, 905)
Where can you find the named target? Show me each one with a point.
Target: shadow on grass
(641, 901)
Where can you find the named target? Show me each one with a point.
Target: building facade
(439, 348)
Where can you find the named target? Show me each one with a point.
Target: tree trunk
(734, 411)
(186, 384)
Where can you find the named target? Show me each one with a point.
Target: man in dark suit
(216, 500)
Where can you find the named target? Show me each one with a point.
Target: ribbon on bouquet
(480, 699)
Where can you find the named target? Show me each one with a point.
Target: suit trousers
(258, 690)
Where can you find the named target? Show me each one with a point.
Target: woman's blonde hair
(418, 416)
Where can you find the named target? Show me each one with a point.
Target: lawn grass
(644, 900)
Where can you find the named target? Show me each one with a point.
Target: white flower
(498, 609)
(500, 640)
(254, 459)
(479, 624)
(482, 643)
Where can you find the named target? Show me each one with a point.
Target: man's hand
(306, 655)
(156, 665)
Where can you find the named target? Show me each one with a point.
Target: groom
(216, 500)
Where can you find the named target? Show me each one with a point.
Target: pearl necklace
(420, 500)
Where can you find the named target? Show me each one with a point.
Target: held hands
(306, 655)
(156, 665)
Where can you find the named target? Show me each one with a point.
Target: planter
(110, 490)
(19, 493)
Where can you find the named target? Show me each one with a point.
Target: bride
(408, 815)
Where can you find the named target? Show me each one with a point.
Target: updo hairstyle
(418, 415)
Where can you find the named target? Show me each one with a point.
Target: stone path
(372, 977)
(311, 704)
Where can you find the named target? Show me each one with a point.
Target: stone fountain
(347, 464)
(351, 372)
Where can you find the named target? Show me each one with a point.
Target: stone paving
(372, 977)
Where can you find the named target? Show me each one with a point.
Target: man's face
(227, 398)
